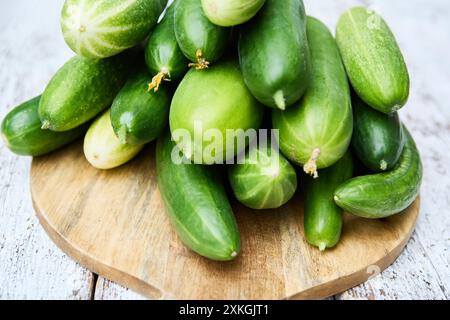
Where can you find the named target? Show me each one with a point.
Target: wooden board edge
(340, 285)
(321, 291)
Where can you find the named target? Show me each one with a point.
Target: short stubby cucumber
(103, 28)
(227, 13)
(317, 131)
(213, 116)
(373, 59)
(80, 90)
(201, 41)
(264, 179)
(322, 217)
(274, 53)
(197, 204)
(137, 115)
(22, 133)
(103, 149)
(384, 194)
(378, 138)
(163, 56)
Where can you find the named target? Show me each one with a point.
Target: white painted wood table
(32, 49)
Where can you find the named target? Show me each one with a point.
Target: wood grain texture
(32, 49)
(31, 267)
(114, 223)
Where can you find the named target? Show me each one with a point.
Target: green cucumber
(207, 107)
(264, 179)
(317, 131)
(103, 149)
(378, 138)
(197, 204)
(227, 13)
(79, 91)
(137, 115)
(201, 41)
(163, 56)
(22, 133)
(373, 59)
(103, 28)
(384, 194)
(274, 53)
(323, 218)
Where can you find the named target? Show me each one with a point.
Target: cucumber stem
(163, 75)
(279, 100)
(311, 166)
(322, 246)
(201, 63)
(45, 125)
(122, 135)
(383, 165)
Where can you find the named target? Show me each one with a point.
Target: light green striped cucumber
(373, 59)
(264, 179)
(227, 13)
(103, 149)
(103, 28)
(384, 194)
(80, 90)
(317, 131)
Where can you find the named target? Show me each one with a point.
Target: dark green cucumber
(323, 218)
(197, 204)
(384, 194)
(201, 41)
(163, 56)
(264, 179)
(137, 115)
(274, 53)
(317, 131)
(373, 59)
(378, 138)
(80, 90)
(22, 133)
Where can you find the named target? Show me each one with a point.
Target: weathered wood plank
(108, 290)
(31, 267)
(423, 270)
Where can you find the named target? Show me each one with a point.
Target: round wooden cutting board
(113, 223)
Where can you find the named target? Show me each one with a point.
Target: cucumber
(210, 111)
(317, 131)
(103, 28)
(79, 91)
(103, 149)
(227, 13)
(384, 194)
(163, 56)
(373, 59)
(378, 138)
(197, 204)
(274, 53)
(137, 115)
(22, 133)
(264, 179)
(323, 218)
(201, 41)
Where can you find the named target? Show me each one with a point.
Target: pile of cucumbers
(147, 71)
